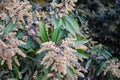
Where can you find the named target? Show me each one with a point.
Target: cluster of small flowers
(63, 9)
(16, 10)
(9, 50)
(60, 57)
(114, 67)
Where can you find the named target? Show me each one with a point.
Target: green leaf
(106, 54)
(55, 34)
(8, 28)
(73, 23)
(58, 33)
(16, 70)
(101, 66)
(88, 64)
(68, 27)
(81, 19)
(39, 76)
(20, 34)
(81, 54)
(70, 72)
(44, 77)
(60, 23)
(54, 21)
(82, 41)
(43, 32)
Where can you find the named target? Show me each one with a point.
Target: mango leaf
(8, 28)
(58, 33)
(20, 34)
(54, 21)
(81, 54)
(44, 77)
(79, 40)
(43, 32)
(55, 34)
(106, 54)
(39, 76)
(16, 70)
(101, 66)
(88, 64)
(60, 23)
(73, 23)
(70, 72)
(69, 27)
(61, 35)
(82, 20)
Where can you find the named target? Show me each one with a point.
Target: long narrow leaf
(73, 23)
(16, 70)
(70, 72)
(57, 33)
(43, 32)
(81, 54)
(8, 28)
(69, 28)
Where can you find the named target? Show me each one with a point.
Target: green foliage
(70, 72)
(43, 32)
(79, 25)
(58, 33)
(8, 28)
